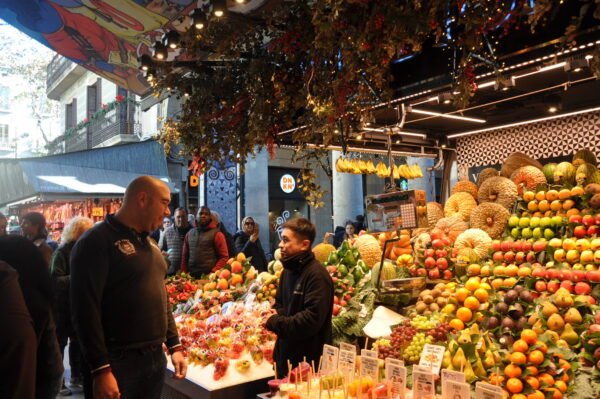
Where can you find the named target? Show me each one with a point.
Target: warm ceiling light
(359, 137)
(171, 39)
(486, 84)
(448, 116)
(219, 8)
(552, 109)
(240, 1)
(145, 62)
(198, 18)
(159, 51)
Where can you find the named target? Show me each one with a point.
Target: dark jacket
(231, 248)
(251, 249)
(173, 245)
(203, 256)
(18, 355)
(36, 285)
(61, 277)
(304, 306)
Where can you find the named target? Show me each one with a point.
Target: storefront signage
(97, 212)
(287, 183)
(194, 181)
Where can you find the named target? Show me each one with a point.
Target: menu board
(396, 210)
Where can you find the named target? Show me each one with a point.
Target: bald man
(119, 301)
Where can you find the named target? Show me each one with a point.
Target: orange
(552, 195)
(573, 211)
(497, 283)
(542, 346)
(532, 370)
(457, 324)
(482, 295)
(564, 377)
(540, 195)
(518, 396)
(462, 294)
(520, 346)
(532, 206)
(518, 358)
(528, 196)
(564, 194)
(512, 371)
(536, 357)
(536, 395)
(499, 270)
(556, 394)
(546, 378)
(241, 257)
(532, 381)
(464, 314)
(472, 303)
(473, 269)
(563, 364)
(509, 282)
(577, 191)
(496, 379)
(568, 204)
(472, 284)
(529, 336)
(561, 385)
(556, 205)
(511, 270)
(514, 385)
(544, 206)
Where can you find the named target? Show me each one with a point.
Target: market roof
(99, 172)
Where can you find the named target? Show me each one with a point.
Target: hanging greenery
(319, 65)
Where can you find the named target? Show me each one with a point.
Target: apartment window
(4, 134)
(71, 114)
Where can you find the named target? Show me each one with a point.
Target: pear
(555, 322)
(538, 327)
(469, 374)
(563, 298)
(573, 316)
(464, 337)
(553, 335)
(475, 330)
(452, 347)
(459, 360)
(447, 360)
(548, 309)
(488, 360)
(479, 370)
(569, 335)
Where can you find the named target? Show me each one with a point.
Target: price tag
(330, 359)
(368, 353)
(432, 357)
(488, 391)
(347, 362)
(456, 390)
(423, 385)
(395, 373)
(449, 375)
(347, 347)
(369, 367)
(489, 387)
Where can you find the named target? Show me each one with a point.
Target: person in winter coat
(172, 243)
(60, 271)
(247, 241)
(228, 237)
(36, 285)
(304, 301)
(204, 248)
(33, 226)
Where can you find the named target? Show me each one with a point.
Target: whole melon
(435, 212)
(564, 174)
(322, 251)
(528, 177)
(388, 272)
(515, 161)
(369, 248)
(548, 170)
(486, 174)
(465, 186)
(584, 156)
(585, 174)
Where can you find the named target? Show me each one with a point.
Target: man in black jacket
(119, 301)
(304, 301)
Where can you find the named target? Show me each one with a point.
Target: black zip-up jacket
(304, 305)
(118, 295)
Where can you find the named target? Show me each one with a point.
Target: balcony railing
(56, 68)
(114, 121)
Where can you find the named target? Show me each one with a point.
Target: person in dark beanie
(33, 225)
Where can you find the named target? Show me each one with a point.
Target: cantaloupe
(465, 186)
(476, 239)
(486, 174)
(322, 251)
(370, 251)
(460, 204)
(491, 218)
(499, 190)
(528, 177)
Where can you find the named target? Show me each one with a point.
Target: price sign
(432, 357)
(395, 372)
(347, 362)
(347, 347)
(369, 367)
(449, 375)
(456, 390)
(368, 353)
(330, 359)
(97, 211)
(488, 391)
(423, 385)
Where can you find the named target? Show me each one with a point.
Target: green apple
(526, 233)
(534, 222)
(524, 222)
(513, 221)
(545, 222)
(548, 234)
(557, 221)
(538, 232)
(515, 232)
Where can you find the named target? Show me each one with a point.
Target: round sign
(287, 183)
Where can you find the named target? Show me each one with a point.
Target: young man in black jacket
(304, 301)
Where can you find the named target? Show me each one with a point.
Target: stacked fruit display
(236, 273)
(437, 299)
(472, 299)
(397, 248)
(434, 261)
(180, 288)
(591, 343)
(509, 313)
(535, 227)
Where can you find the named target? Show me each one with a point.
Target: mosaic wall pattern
(558, 137)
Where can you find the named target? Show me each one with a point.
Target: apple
(597, 218)
(555, 243)
(436, 234)
(429, 263)
(568, 243)
(572, 256)
(593, 276)
(593, 230)
(527, 246)
(580, 231)
(582, 244)
(587, 256)
(552, 274)
(441, 253)
(421, 272)
(517, 246)
(434, 274)
(442, 263)
(498, 256)
(597, 256)
(505, 246)
(530, 257)
(437, 243)
(575, 219)
(446, 241)
(560, 255)
(578, 275)
(496, 245)
(565, 274)
(509, 257)
(540, 286)
(567, 285)
(538, 272)
(520, 258)
(582, 288)
(595, 244)
(597, 317)
(553, 286)
(447, 274)
(539, 246)
(548, 234)
(588, 220)
(429, 253)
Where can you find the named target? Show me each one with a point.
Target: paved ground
(77, 393)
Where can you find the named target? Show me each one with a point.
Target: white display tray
(203, 376)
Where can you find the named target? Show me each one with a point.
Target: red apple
(441, 253)
(553, 286)
(437, 243)
(498, 256)
(593, 276)
(564, 274)
(442, 263)
(597, 317)
(496, 245)
(540, 246)
(567, 285)
(597, 218)
(588, 220)
(429, 253)
(436, 234)
(552, 274)
(593, 230)
(505, 246)
(429, 263)
(580, 231)
(447, 274)
(578, 275)
(520, 258)
(509, 257)
(530, 257)
(434, 274)
(538, 272)
(517, 246)
(540, 286)
(421, 272)
(582, 288)
(575, 219)
(446, 241)
(527, 246)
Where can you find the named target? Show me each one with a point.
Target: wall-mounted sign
(194, 181)
(287, 183)
(97, 212)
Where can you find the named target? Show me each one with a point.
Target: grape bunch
(439, 333)
(413, 352)
(399, 339)
(421, 322)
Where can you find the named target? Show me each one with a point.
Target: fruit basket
(412, 285)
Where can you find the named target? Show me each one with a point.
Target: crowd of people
(102, 292)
